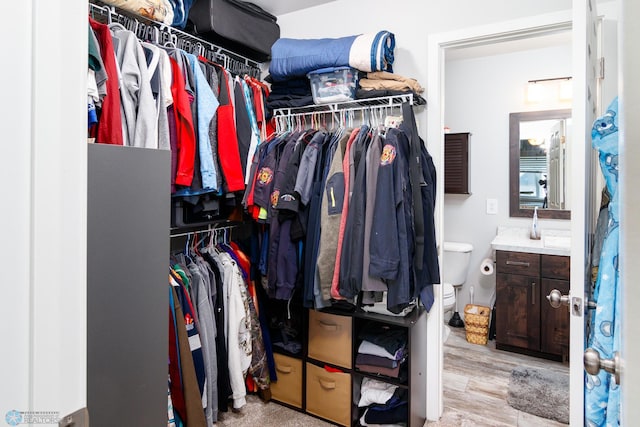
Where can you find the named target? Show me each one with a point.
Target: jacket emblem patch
(388, 155)
(275, 196)
(265, 176)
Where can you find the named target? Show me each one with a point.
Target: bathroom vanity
(526, 272)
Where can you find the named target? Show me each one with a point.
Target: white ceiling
(280, 7)
(531, 43)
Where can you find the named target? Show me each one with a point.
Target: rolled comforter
(365, 52)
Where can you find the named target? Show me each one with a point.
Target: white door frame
(629, 105)
(44, 133)
(437, 45)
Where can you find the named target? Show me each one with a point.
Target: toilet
(448, 298)
(454, 270)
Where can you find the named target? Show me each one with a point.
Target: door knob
(556, 299)
(593, 363)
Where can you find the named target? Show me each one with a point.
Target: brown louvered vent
(456, 163)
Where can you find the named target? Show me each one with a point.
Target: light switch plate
(492, 206)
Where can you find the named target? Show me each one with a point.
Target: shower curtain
(602, 394)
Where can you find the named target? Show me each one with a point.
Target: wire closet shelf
(157, 32)
(370, 109)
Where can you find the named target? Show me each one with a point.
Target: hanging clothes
(348, 168)
(330, 216)
(189, 360)
(138, 106)
(109, 127)
(237, 325)
(602, 397)
(138, 97)
(206, 106)
(391, 237)
(185, 133)
(228, 144)
(352, 256)
(370, 284)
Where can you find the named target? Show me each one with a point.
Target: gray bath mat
(540, 392)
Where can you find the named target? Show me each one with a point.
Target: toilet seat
(448, 296)
(448, 291)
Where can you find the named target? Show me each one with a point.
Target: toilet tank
(456, 259)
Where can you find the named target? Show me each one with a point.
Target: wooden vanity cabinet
(554, 274)
(517, 300)
(525, 321)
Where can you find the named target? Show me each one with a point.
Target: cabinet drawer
(329, 394)
(524, 263)
(556, 267)
(288, 388)
(330, 338)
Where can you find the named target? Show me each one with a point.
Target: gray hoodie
(138, 105)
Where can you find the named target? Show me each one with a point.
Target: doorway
(483, 86)
(439, 46)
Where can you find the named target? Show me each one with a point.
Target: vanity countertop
(552, 242)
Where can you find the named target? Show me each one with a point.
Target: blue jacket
(391, 243)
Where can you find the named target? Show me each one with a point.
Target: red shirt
(184, 127)
(109, 128)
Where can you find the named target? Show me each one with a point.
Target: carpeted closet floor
(257, 413)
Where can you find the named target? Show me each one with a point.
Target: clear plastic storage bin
(333, 84)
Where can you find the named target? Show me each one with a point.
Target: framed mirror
(539, 167)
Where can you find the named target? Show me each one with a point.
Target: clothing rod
(344, 110)
(360, 105)
(205, 230)
(218, 50)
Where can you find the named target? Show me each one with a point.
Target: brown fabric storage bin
(330, 338)
(329, 394)
(288, 388)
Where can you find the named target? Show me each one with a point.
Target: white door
(585, 109)
(629, 220)
(556, 169)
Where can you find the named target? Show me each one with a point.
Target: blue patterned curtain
(602, 394)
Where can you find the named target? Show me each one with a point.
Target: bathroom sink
(557, 242)
(553, 242)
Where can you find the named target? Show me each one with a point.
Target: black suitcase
(236, 25)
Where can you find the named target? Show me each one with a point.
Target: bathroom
(479, 99)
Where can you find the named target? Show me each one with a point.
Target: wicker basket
(476, 323)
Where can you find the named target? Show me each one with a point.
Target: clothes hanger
(118, 25)
(194, 245)
(108, 11)
(186, 248)
(132, 25)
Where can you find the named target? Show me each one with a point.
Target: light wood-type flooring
(476, 379)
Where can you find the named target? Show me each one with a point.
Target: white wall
(15, 128)
(43, 127)
(410, 25)
(412, 28)
(479, 95)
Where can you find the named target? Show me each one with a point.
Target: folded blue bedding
(365, 52)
